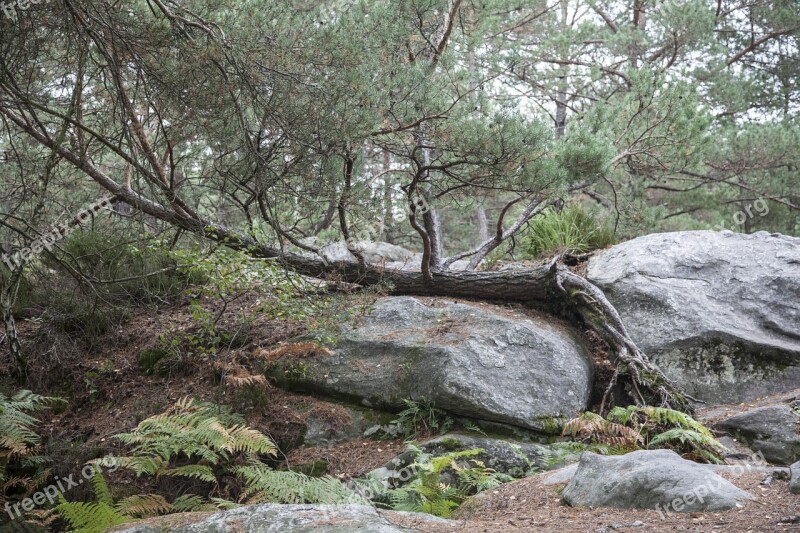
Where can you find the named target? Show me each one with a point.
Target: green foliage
(208, 444)
(419, 418)
(146, 272)
(158, 361)
(571, 230)
(190, 439)
(631, 428)
(440, 484)
(20, 464)
(264, 485)
(90, 517)
(104, 512)
(229, 274)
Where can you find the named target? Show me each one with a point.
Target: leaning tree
(262, 125)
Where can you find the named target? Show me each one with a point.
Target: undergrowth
(632, 428)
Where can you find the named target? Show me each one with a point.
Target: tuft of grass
(571, 230)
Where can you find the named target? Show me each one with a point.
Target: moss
(721, 358)
(550, 425)
(450, 445)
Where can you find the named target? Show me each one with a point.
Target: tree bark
(8, 296)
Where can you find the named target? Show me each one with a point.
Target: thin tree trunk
(483, 224)
(388, 214)
(8, 297)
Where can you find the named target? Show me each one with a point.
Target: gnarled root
(641, 380)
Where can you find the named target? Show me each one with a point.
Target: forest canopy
(444, 125)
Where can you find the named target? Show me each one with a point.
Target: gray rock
(771, 430)
(323, 429)
(650, 479)
(514, 458)
(373, 252)
(717, 311)
(563, 475)
(467, 360)
(794, 479)
(279, 518)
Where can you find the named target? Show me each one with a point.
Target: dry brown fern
(296, 349)
(244, 379)
(590, 427)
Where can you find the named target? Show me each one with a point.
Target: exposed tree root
(640, 379)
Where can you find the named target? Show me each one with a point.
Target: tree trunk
(8, 296)
(551, 286)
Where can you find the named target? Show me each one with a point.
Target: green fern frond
(440, 463)
(263, 484)
(90, 517)
(223, 504)
(251, 441)
(194, 432)
(201, 472)
(144, 505)
(190, 503)
(101, 490)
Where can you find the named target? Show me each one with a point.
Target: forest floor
(109, 393)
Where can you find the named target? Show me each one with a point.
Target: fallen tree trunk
(550, 285)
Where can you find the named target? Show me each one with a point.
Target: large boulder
(773, 430)
(717, 311)
(650, 479)
(279, 518)
(479, 362)
(373, 252)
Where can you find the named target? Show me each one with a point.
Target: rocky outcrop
(279, 518)
(772, 430)
(650, 479)
(475, 361)
(717, 311)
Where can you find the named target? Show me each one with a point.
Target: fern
(264, 485)
(419, 418)
(101, 490)
(652, 427)
(22, 469)
(591, 427)
(200, 434)
(18, 440)
(144, 505)
(201, 441)
(90, 517)
(190, 503)
(103, 513)
(428, 493)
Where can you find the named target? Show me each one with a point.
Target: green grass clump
(571, 230)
